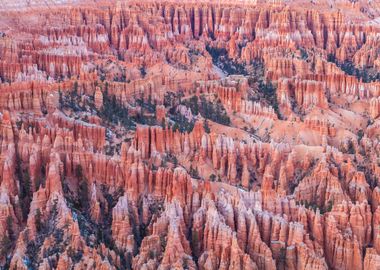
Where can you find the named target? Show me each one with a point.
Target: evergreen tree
(82, 188)
(206, 127)
(38, 221)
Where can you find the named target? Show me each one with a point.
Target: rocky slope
(190, 135)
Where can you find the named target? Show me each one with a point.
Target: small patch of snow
(219, 72)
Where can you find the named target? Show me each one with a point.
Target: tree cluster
(221, 60)
(350, 69)
(209, 110)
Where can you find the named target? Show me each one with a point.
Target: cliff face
(210, 135)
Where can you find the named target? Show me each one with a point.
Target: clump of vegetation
(6, 243)
(145, 120)
(38, 221)
(83, 190)
(212, 177)
(269, 92)
(206, 127)
(304, 54)
(178, 121)
(207, 109)
(147, 111)
(143, 71)
(25, 187)
(265, 88)
(347, 147)
(221, 60)
(172, 99)
(71, 99)
(194, 173)
(114, 112)
(360, 135)
(49, 228)
(148, 105)
(282, 258)
(121, 78)
(314, 206)
(181, 123)
(213, 111)
(42, 179)
(366, 75)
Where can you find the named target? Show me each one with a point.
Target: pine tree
(206, 127)
(38, 221)
(82, 188)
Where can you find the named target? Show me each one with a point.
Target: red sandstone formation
(107, 161)
(374, 108)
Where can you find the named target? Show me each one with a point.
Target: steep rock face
(323, 127)
(122, 229)
(98, 99)
(326, 188)
(233, 95)
(306, 94)
(219, 242)
(92, 132)
(374, 108)
(371, 260)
